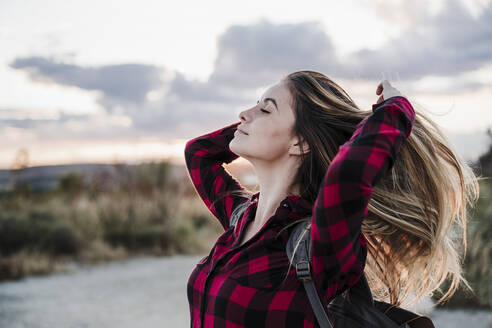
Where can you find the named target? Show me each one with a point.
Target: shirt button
(285, 205)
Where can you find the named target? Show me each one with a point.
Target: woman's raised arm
(204, 157)
(338, 247)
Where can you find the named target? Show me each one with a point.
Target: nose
(244, 115)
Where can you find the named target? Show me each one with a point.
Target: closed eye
(264, 111)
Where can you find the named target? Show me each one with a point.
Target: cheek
(272, 143)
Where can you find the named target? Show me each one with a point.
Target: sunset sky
(104, 81)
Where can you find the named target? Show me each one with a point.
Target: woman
(381, 200)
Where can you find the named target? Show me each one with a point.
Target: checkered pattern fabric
(243, 285)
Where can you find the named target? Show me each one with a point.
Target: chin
(237, 149)
(232, 147)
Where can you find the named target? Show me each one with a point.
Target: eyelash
(264, 111)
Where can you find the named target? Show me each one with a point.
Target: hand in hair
(387, 91)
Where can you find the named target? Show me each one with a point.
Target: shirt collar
(297, 205)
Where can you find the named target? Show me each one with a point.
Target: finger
(379, 89)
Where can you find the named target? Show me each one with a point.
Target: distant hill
(46, 177)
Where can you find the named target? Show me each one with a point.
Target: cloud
(66, 126)
(446, 44)
(125, 82)
(405, 14)
(26, 122)
(252, 56)
(184, 89)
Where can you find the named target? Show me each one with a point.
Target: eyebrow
(272, 100)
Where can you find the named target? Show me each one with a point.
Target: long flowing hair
(417, 216)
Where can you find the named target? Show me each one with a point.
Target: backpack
(354, 308)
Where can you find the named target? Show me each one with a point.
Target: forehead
(280, 93)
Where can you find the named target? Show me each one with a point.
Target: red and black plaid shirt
(241, 286)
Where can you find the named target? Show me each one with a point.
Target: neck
(274, 179)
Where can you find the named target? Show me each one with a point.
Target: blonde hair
(416, 221)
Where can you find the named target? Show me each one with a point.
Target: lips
(241, 131)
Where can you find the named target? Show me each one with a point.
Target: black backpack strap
(402, 316)
(300, 258)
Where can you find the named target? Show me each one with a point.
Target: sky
(132, 81)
